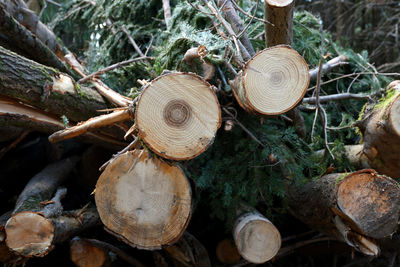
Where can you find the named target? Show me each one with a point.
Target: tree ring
(177, 113)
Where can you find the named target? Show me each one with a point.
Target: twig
(249, 15)
(239, 46)
(4, 150)
(334, 97)
(318, 86)
(328, 66)
(114, 66)
(290, 249)
(134, 44)
(150, 44)
(251, 20)
(243, 127)
(356, 73)
(167, 12)
(127, 148)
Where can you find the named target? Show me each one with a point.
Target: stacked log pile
(143, 196)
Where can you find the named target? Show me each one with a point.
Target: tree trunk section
(256, 238)
(85, 254)
(357, 208)
(46, 88)
(178, 115)
(34, 226)
(188, 251)
(24, 40)
(280, 14)
(272, 82)
(144, 201)
(227, 252)
(380, 127)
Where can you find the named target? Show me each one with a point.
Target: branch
(111, 67)
(28, 42)
(334, 97)
(167, 12)
(328, 66)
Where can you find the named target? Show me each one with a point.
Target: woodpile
(144, 196)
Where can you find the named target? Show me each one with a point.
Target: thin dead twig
(114, 66)
(249, 15)
(243, 127)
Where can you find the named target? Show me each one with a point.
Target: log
(24, 40)
(38, 223)
(256, 238)
(178, 115)
(188, 251)
(280, 15)
(85, 254)
(357, 207)
(88, 252)
(279, 30)
(379, 125)
(227, 252)
(46, 88)
(20, 11)
(272, 82)
(16, 114)
(143, 201)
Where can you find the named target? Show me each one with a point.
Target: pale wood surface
(178, 115)
(143, 200)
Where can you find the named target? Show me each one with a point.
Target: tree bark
(36, 223)
(256, 238)
(357, 208)
(144, 201)
(19, 10)
(280, 15)
(279, 30)
(46, 88)
(16, 114)
(272, 82)
(26, 41)
(188, 251)
(380, 128)
(233, 18)
(178, 115)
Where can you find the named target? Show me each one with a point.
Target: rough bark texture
(19, 10)
(46, 88)
(280, 31)
(365, 203)
(233, 18)
(379, 126)
(143, 200)
(280, 14)
(26, 41)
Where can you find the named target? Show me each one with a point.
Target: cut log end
(256, 238)
(178, 115)
(29, 234)
(371, 202)
(143, 200)
(279, 3)
(273, 81)
(85, 254)
(227, 252)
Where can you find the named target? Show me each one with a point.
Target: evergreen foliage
(235, 168)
